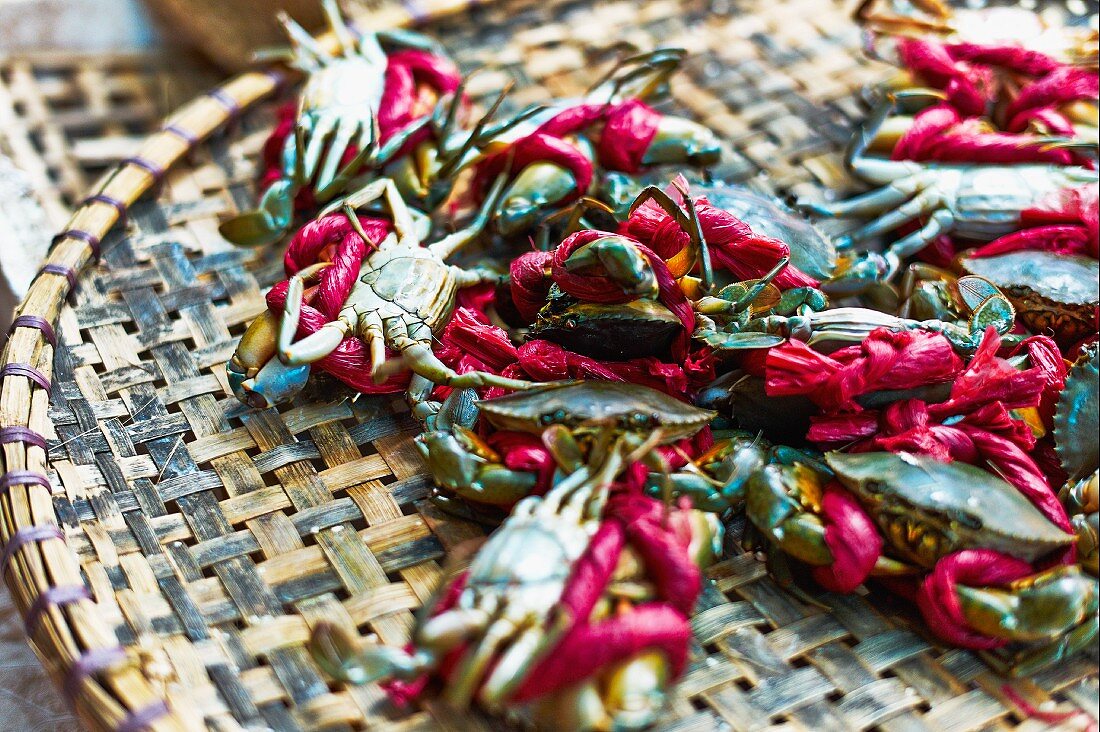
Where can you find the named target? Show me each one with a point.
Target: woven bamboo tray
(169, 557)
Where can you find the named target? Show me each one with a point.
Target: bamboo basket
(169, 554)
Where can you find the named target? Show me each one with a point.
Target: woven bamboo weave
(170, 552)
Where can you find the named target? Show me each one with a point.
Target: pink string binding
(80, 235)
(22, 477)
(143, 718)
(18, 433)
(62, 271)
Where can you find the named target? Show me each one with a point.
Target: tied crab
(1053, 293)
(336, 132)
(753, 314)
(978, 202)
(1076, 414)
(462, 463)
(404, 294)
(507, 616)
(925, 512)
(554, 152)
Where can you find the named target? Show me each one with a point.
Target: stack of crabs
(613, 360)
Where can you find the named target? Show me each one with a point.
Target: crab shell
(1077, 417)
(811, 251)
(1051, 292)
(927, 509)
(616, 332)
(629, 407)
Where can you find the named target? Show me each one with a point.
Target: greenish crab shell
(619, 332)
(927, 509)
(629, 407)
(1078, 413)
(811, 251)
(1050, 291)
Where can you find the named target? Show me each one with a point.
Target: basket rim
(92, 671)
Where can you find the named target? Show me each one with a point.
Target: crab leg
(866, 204)
(924, 202)
(315, 346)
(416, 354)
(876, 170)
(452, 243)
(339, 27)
(470, 670)
(941, 222)
(515, 663)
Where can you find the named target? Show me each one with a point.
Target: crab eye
(570, 323)
(546, 419)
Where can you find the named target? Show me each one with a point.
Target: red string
(333, 239)
(967, 74)
(733, 245)
(938, 597)
(884, 360)
(661, 625)
(852, 538)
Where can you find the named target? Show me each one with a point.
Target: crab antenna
(660, 64)
(697, 238)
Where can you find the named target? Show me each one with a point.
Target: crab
(505, 616)
(336, 130)
(811, 251)
(1052, 292)
(737, 318)
(924, 511)
(404, 294)
(973, 202)
(1072, 40)
(463, 465)
(543, 184)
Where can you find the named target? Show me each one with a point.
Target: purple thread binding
(149, 167)
(88, 664)
(22, 477)
(142, 718)
(38, 323)
(278, 78)
(230, 104)
(90, 239)
(185, 135)
(53, 596)
(110, 201)
(61, 270)
(417, 15)
(22, 369)
(24, 536)
(18, 433)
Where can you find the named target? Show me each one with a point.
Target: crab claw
(679, 140)
(540, 187)
(268, 222)
(257, 378)
(622, 262)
